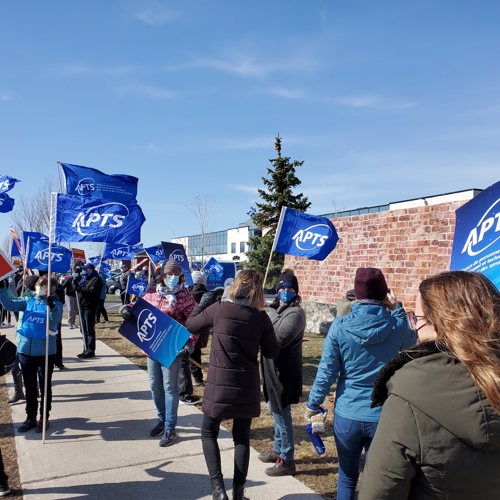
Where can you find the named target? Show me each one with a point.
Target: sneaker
(168, 438)
(198, 383)
(157, 429)
(189, 400)
(60, 367)
(87, 355)
(269, 456)
(72, 327)
(39, 426)
(4, 489)
(282, 468)
(27, 425)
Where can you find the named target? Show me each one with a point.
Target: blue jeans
(351, 436)
(163, 383)
(283, 432)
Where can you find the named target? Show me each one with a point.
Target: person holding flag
(31, 344)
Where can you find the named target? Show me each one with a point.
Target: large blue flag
(157, 334)
(136, 286)
(175, 251)
(155, 254)
(476, 243)
(89, 219)
(27, 235)
(6, 203)
(7, 183)
(120, 252)
(85, 181)
(38, 256)
(304, 235)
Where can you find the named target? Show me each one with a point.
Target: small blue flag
(106, 269)
(121, 252)
(175, 251)
(304, 235)
(86, 181)
(7, 183)
(6, 203)
(27, 235)
(218, 272)
(95, 260)
(78, 218)
(156, 254)
(136, 286)
(38, 256)
(14, 250)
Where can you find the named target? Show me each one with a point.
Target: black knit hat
(370, 283)
(288, 280)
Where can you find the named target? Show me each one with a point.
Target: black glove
(51, 302)
(126, 313)
(186, 351)
(207, 299)
(2, 284)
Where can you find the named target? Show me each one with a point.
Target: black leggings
(241, 437)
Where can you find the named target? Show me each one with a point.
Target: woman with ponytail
(439, 432)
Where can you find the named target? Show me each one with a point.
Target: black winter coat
(283, 375)
(90, 293)
(232, 389)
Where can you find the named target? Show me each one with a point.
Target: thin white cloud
(84, 69)
(288, 93)
(243, 188)
(370, 101)
(156, 15)
(149, 91)
(5, 95)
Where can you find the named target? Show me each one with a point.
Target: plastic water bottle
(315, 440)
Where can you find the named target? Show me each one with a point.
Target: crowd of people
(417, 392)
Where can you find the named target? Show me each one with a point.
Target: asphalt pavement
(98, 445)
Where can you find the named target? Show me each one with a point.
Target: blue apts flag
(27, 235)
(7, 183)
(6, 203)
(38, 256)
(175, 251)
(88, 219)
(304, 235)
(157, 334)
(155, 254)
(476, 243)
(218, 272)
(136, 286)
(86, 181)
(121, 252)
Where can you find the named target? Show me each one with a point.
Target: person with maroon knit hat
(356, 348)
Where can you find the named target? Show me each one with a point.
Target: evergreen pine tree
(278, 193)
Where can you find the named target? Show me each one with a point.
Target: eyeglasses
(413, 320)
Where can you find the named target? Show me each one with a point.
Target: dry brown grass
(317, 472)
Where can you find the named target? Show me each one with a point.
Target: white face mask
(41, 291)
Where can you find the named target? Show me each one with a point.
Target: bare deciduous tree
(203, 208)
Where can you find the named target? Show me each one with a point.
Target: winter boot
(218, 489)
(239, 492)
(18, 387)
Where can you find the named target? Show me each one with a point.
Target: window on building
(212, 243)
(242, 247)
(233, 247)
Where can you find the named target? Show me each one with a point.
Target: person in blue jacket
(31, 340)
(356, 348)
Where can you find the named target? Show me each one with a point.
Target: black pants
(184, 381)
(241, 437)
(59, 352)
(88, 326)
(101, 310)
(3, 476)
(196, 370)
(33, 369)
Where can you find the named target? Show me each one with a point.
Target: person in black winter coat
(69, 288)
(89, 292)
(240, 329)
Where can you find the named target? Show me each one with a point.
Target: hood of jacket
(441, 387)
(368, 323)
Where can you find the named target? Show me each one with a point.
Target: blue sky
(384, 101)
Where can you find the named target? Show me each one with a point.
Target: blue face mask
(172, 281)
(286, 296)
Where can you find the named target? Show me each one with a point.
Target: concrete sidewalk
(98, 444)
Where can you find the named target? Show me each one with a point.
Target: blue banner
(89, 219)
(6, 203)
(105, 269)
(218, 272)
(7, 183)
(175, 251)
(476, 243)
(121, 252)
(95, 260)
(85, 181)
(14, 250)
(27, 235)
(156, 254)
(38, 256)
(136, 286)
(157, 334)
(305, 235)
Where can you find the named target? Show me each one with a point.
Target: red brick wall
(408, 245)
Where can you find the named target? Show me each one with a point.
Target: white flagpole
(278, 230)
